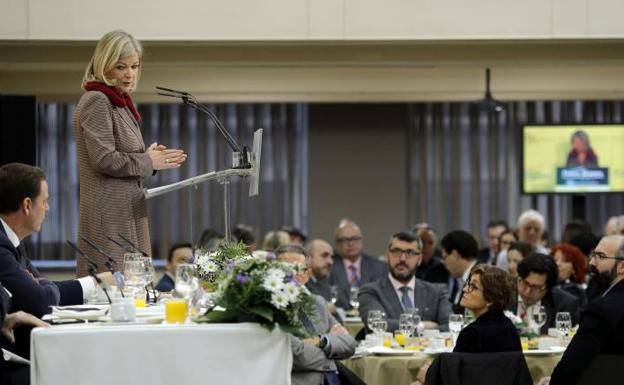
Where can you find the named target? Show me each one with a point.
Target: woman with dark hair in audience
(571, 264)
(505, 240)
(515, 254)
(489, 291)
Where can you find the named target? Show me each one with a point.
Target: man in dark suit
(537, 277)
(494, 231)
(400, 291)
(314, 358)
(459, 254)
(12, 373)
(431, 268)
(321, 263)
(23, 207)
(179, 253)
(352, 268)
(600, 330)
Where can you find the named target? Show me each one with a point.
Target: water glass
(185, 280)
(538, 318)
(406, 324)
(563, 323)
(379, 326)
(353, 298)
(456, 323)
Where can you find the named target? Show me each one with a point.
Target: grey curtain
(181, 216)
(464, 165)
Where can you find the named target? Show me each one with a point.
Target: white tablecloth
(224, 354)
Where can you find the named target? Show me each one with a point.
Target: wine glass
(134, 272)
(333, 294)
(185, 280)
(406, 324)
(149, 277)
(353, 298)
(374, 315)
(379, 327)
(563, 323)
(538, 317)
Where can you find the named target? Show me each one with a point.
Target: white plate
(352, 320)
(437, 350)
(384, 351)
(552, 350)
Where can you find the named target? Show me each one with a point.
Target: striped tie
(406, 301)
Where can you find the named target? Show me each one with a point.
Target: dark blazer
(575, 289)
(557, 300)
(502, 368)
(166, 283)
(371, 270)
(491, 332)
(484, 255)
(30, 295)
(321, 288)
(10, 372)
(430, 298)
(601, 331)
(433, 271)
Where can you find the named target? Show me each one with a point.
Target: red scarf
(117, 98)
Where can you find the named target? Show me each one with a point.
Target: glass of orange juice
(175, 311)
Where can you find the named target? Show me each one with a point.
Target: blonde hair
(112, 46)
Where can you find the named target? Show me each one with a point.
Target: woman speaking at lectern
(112, 157)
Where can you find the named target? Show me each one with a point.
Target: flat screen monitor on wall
(573, 158)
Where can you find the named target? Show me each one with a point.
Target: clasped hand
(164, 158)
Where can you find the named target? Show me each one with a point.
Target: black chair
(604, 370)
(503, 368)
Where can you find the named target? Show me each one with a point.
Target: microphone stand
(243, 163)
(92, 270)
(110, 263)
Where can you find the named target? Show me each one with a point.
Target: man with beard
(400, 291)
(600, 330)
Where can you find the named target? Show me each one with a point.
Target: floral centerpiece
(212, 265)
(261, 289)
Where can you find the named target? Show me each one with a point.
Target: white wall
(312, 19)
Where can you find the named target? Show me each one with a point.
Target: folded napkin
(10, 356)
(80, 311)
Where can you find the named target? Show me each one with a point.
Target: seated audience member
(352, 268)
(587, 242)
(487, 294)
(297, 237)
(275, 239)
(571, 265)
(600, 330)
(537, 277)
(245, 234)
(515, 254)
(400, 291)
(210, 239)
(573, 228)
(494, 231)
(459, 254)
(12, 373)
(506, 239)
(431, 268)
(531, 228)
(179, 253)
(314, 358)
(23, 207)
(321, 263)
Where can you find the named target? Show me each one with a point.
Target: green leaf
(218, 316)
(264, 312)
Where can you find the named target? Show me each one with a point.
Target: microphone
(127, 249)
(120, 282)
(135, 247)
(92, 271)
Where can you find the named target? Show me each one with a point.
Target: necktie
(406, 301)
(354, 280)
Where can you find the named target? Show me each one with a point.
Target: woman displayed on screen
(581, 154)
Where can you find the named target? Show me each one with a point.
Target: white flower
(275, 273)
(292, 291)
(273, 283)
(514, 318)
(279, 300)
(260, 254)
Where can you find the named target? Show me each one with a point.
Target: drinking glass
(334, 294)
(379, 327)
(563, 322)
(538, 317)
(406, 324)
(353, 298)
(456, 323)
(149, 270)
(185, 280)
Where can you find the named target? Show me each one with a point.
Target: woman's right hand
(164, 158)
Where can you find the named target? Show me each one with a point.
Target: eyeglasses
(533, 288)
(347, 240)
(397, 252)
(602, 256)
(470, 287)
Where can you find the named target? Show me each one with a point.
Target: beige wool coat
(112, 162)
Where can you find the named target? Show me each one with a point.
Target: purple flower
(270, 256)
(288, 276)
(242, 279)
(229, 267)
